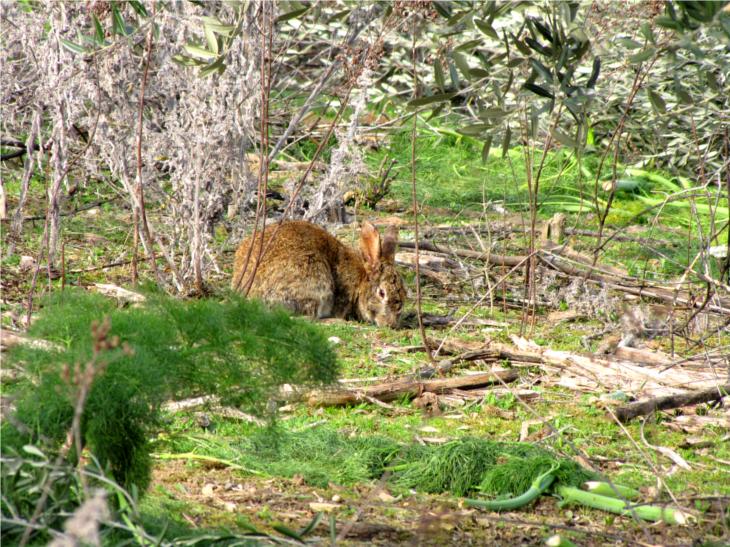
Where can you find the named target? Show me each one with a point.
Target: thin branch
(81, 209)
(414, 199)
(140, 214)
(263, 179)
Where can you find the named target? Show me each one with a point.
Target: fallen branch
(433, 261)
(9, 339)
(486, 353)
(187, 404)
(506, 227)
(558, 257)
(406, 387)
(491, 258)
(212, 402)
(433, 320)
(644, 408)
(588, 372)
(21, 146)
(624, 238)
(439, 277)
(642, 355)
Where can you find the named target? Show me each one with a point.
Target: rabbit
(310, 272)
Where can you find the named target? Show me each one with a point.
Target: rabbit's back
(304, 269)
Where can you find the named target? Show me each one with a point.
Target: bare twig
(139, 213)
(414, 201)
(52, 198)
(16, 224)
(615, 140)
(491, 258)
(75, 211)
(479, 302)
(315, 93)
(263, 179)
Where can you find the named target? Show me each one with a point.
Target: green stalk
(654, 177)
(538, 486)
(653, 513)
(612, 491)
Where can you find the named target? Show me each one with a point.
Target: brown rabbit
(310, 272)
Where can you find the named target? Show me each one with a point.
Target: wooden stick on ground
(643, 408)
(486, 353)
(407, 387)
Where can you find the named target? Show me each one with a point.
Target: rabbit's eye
(381, 293)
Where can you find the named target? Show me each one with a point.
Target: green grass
(451, 174)
(454, 184)
(325, 455)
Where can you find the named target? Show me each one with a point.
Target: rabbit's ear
(370, 244)
(390, 242)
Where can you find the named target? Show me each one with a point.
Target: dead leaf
(26, 263)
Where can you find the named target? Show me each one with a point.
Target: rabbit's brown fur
(310, 272)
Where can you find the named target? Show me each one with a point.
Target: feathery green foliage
(515, 474)
(237, 350)
(465, 465)
(460, 467)
(318, 456)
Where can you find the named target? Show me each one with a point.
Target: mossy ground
(454, 186)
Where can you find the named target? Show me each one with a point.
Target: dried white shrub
(195, 131)
(347, 165)
(34, 50)
(591, 300)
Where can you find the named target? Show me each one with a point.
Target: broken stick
(643, 408)
(486, 353)
(407, 387)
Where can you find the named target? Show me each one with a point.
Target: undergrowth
(325, 456)
(319, 457)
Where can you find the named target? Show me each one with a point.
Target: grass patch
(318, 456)
(452, 176)
(325, 455)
